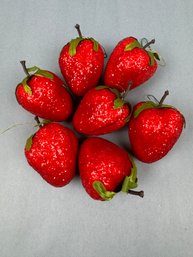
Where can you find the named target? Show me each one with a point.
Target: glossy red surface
(102, 160)
(82, 71)
(96, 114)
(125, 66)
(49, 99)
(154, 132)
(53, 154)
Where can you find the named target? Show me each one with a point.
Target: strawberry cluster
(104, 167)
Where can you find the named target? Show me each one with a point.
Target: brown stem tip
(149, 43)
(166, 93)
(139, 193)
(77, 27)
(36, 118)
(24, 68)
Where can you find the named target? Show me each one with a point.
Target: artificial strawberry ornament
(130, 61)
(154, 128)
(42, 93)
(81, 63)
(104, 168)
(102, 110)
(52, 151)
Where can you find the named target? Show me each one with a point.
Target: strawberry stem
(139, 193)
(149, 43)
(105, 53)
(24, 68)
(77, 26)
(38, 121)
(166, 93)
(125, 93)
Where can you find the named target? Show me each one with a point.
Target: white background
(38, 220)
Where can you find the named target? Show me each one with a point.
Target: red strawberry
(101, 111)
(51, 151)
(81, 63)
(44, 95)
(154, 129)
(130, 61)
(103, 167)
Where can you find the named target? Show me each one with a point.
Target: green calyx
(136, 44)
(144, 106)
(130, 182)
(37, 72)
(133, 45)
(29, 142)
(119, 101)
(75, 42)
(130, 114)
(27, 88)
(101, 190)
(156, 55)
(157, 105)
(44, 122)
(102, 87)
(149, 105)
(151, 56)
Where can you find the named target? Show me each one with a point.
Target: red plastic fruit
(81, 62)
(102, 110)
(154, 129)
(129, 62)
(52, 152)
(104, 167)
(43, 94)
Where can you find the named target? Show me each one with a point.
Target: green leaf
(101, 87)
(118, 103)
(165, 106)
(130, 182)
(29, 142)
(33, 69)
(127, 119)
(130, 114)
(149, 105)
(151, 56)
(116, 92)
(44, 122)
(44, 73)
(38, 72)
(156, 55)
(113, 90)
(101, 190)
(95, 44)
(144, 106)
(73, 45)
(27, 88)
(132, 45)
(75, 42)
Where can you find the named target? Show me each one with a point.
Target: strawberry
(102, 110)
(153, 129)
(81, 63)
(51, 151)
(44, 95)
(104, 167)
(130, 61)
